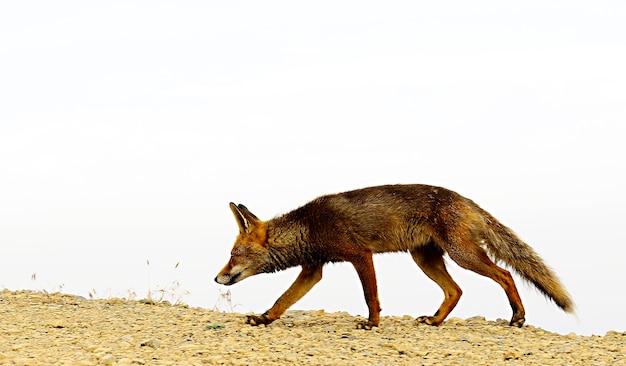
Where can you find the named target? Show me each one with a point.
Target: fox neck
(287, 247)
(280, 258)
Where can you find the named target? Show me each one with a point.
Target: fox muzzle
(228, 279)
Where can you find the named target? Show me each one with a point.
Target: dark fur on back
(384, 219)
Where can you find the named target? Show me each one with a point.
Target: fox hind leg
(474, 258)
(430, 259)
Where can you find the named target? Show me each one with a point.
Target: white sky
(126, 128)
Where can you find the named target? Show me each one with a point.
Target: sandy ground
(56, 329)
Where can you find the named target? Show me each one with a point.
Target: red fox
(423, 220)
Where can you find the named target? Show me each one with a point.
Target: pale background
(126, 128)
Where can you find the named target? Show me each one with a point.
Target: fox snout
(227, 278)
(231, 274)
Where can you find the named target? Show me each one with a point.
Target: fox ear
(245, 219)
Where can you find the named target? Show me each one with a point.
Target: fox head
(250, 254)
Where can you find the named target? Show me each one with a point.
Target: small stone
(501, 321)
(150, 343)
(512, 355)
(127, 339)
(456, 321)
(107, 359)
(312, 352)
(477, 319)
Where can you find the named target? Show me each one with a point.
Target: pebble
(107, 360)
(150, 343)
(42, 329)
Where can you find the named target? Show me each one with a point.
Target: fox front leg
(364, 266)
(307, 278)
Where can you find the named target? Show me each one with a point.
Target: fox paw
(256, 320)
(366, 325)
(517, 322)
(429, 320)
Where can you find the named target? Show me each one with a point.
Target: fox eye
(237, 252)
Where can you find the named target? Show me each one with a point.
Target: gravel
(39, 328)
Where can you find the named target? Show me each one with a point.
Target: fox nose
(215, 279)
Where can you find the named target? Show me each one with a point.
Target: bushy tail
(505, 246)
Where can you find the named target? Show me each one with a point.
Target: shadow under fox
(423, 220)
